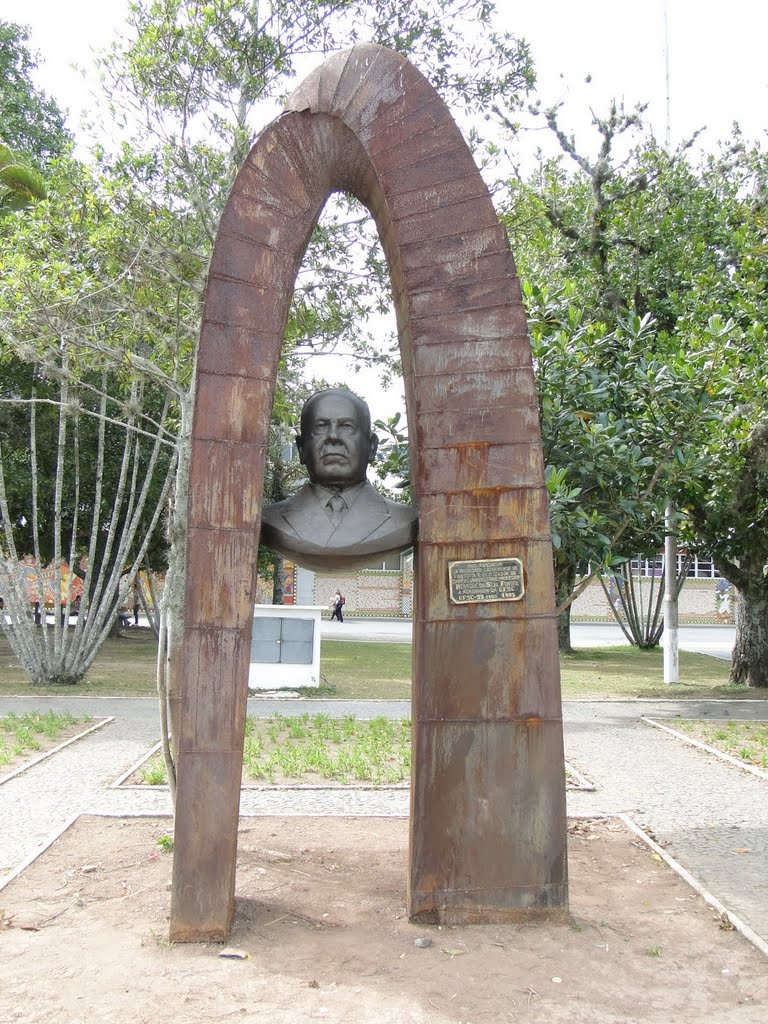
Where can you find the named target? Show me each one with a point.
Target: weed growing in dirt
(20, 734)
(335, 749)
(747, 741)
(153, 772)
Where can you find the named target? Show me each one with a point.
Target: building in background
(385, 589)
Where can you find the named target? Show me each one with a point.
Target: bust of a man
(337, 520)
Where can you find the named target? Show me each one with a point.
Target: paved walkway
(711, 816)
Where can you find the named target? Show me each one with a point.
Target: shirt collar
(324, 494)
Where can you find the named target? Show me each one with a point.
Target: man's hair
(361, 404)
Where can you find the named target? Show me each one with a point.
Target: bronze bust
(337, 520)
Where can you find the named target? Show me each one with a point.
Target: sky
(717, 68)
(718, 71)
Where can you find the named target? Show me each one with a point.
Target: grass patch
(317, 749)
(124, 667)
(320, 748)
(747, 741)
(383, 671)
(363, 671)
(629, 672)
(366, 670)
(25, 734)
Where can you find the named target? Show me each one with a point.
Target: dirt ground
(320, 919)
(45, 744)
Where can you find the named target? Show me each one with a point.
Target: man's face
(336, 446)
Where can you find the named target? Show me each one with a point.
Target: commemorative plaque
(487, 579)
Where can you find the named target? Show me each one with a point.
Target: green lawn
(365, 670)
(629, 672)
(126, 667)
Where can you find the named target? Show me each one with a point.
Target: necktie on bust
(336, 507)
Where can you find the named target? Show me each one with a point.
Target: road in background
(716, 641)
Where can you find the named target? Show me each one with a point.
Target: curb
(720, 754)
(54, 750)
(38, 850)
(725, 915)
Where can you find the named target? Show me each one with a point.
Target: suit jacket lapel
(365, 516)
(308, 518)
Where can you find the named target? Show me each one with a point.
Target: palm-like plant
(20, 184)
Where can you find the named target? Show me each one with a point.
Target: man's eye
(348, 428)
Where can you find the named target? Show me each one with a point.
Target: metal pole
(668, 133)
(671, 658)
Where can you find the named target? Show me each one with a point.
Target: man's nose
(332, 432)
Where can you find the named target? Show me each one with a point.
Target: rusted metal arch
(488, 803)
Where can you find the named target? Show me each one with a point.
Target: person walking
(337, 604)
(136, 602)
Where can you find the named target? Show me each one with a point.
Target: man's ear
(374, 447)
(300, 447)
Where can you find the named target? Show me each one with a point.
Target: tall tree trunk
(278, 580)
(565, 580)
(169, 664)
(750, 652)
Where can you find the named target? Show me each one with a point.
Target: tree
(199, 82)
(726, 499)
(618, 392)
(89, 447)
(30, 122)
(103, 533)
(638, 229)
(614, 419)
(727, 504)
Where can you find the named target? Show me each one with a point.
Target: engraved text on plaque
(488, 579)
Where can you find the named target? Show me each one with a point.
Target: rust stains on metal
(488, 796)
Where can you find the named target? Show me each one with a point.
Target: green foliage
(637, 235)
(214, 63)
(193, 84)
(20, 184)
(747, 740)
(84, 289)
(314, 748)
(95, 353)
(30, 122)
(727, 497)
(339, 750)
(614, 415)
(393, 459)
(31, 125)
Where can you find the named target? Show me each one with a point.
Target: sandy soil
(321, 922)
